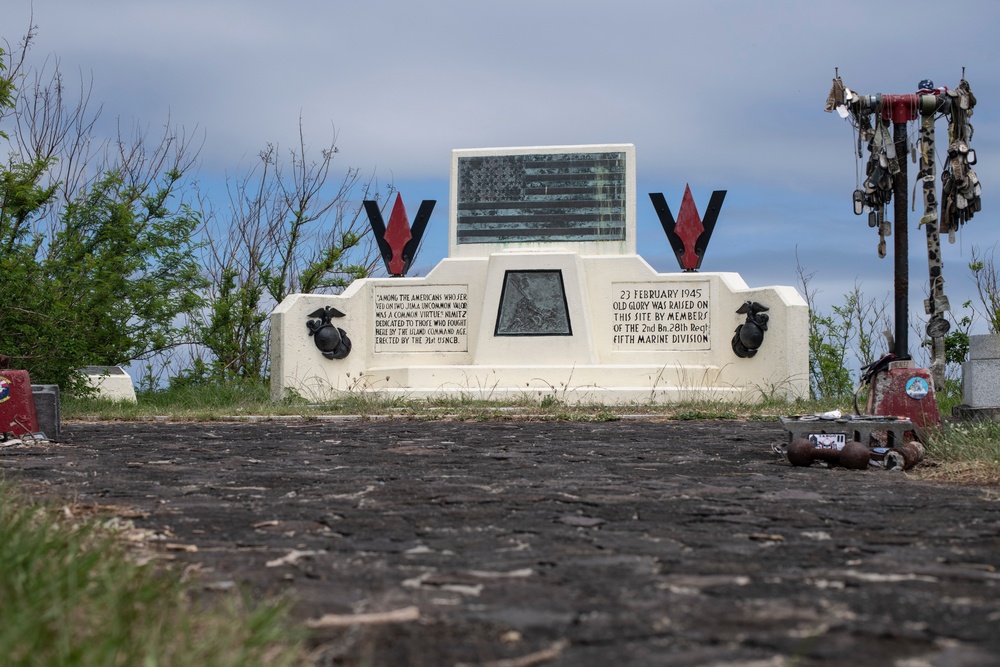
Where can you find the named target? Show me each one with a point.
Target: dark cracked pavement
(516, 543)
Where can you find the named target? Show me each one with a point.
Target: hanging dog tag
(859, 202)
(890, 147)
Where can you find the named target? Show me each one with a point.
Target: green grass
(213, 403)
(964, 452)
(72, 594)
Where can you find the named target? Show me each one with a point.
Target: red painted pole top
(900, 108)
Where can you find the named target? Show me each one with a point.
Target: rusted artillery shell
(905, 456)
(854, 455)
(800, 452)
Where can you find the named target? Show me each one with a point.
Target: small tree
(100, 250)
(288, 228)
(851, 333)
(984, 272)
(96, 252)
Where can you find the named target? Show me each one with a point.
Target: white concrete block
(981, 373)
(111, 382)
(436, 336)
(984, 346)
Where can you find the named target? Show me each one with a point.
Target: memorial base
(967, 413)
(529, 325)
(572, 385)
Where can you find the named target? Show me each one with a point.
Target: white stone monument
(980, 387)
(543, 295)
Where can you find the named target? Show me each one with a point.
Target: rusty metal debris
(855, 442)
(904, 456)
(851, 455)
(9, 439)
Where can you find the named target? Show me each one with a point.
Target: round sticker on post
(5, 387)
(917, 387)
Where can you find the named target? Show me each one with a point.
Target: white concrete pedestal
(440, 341)
(981, 375)
(111, 382)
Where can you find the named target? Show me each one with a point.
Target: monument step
(614, 384)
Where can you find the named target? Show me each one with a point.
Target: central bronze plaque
(533, 303)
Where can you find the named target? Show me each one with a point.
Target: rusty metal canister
(904, 456)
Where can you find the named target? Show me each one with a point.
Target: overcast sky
(719, 94)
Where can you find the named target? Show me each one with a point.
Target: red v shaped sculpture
(398, 243)
(689, 235)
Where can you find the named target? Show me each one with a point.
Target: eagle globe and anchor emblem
(331, 340)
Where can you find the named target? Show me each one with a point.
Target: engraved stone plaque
(661, 316)
(411, 318)
(533, 303)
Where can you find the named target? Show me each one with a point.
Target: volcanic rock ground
(516, 543)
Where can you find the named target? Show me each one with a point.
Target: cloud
(719, 94)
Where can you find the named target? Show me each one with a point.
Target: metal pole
(900, 245)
